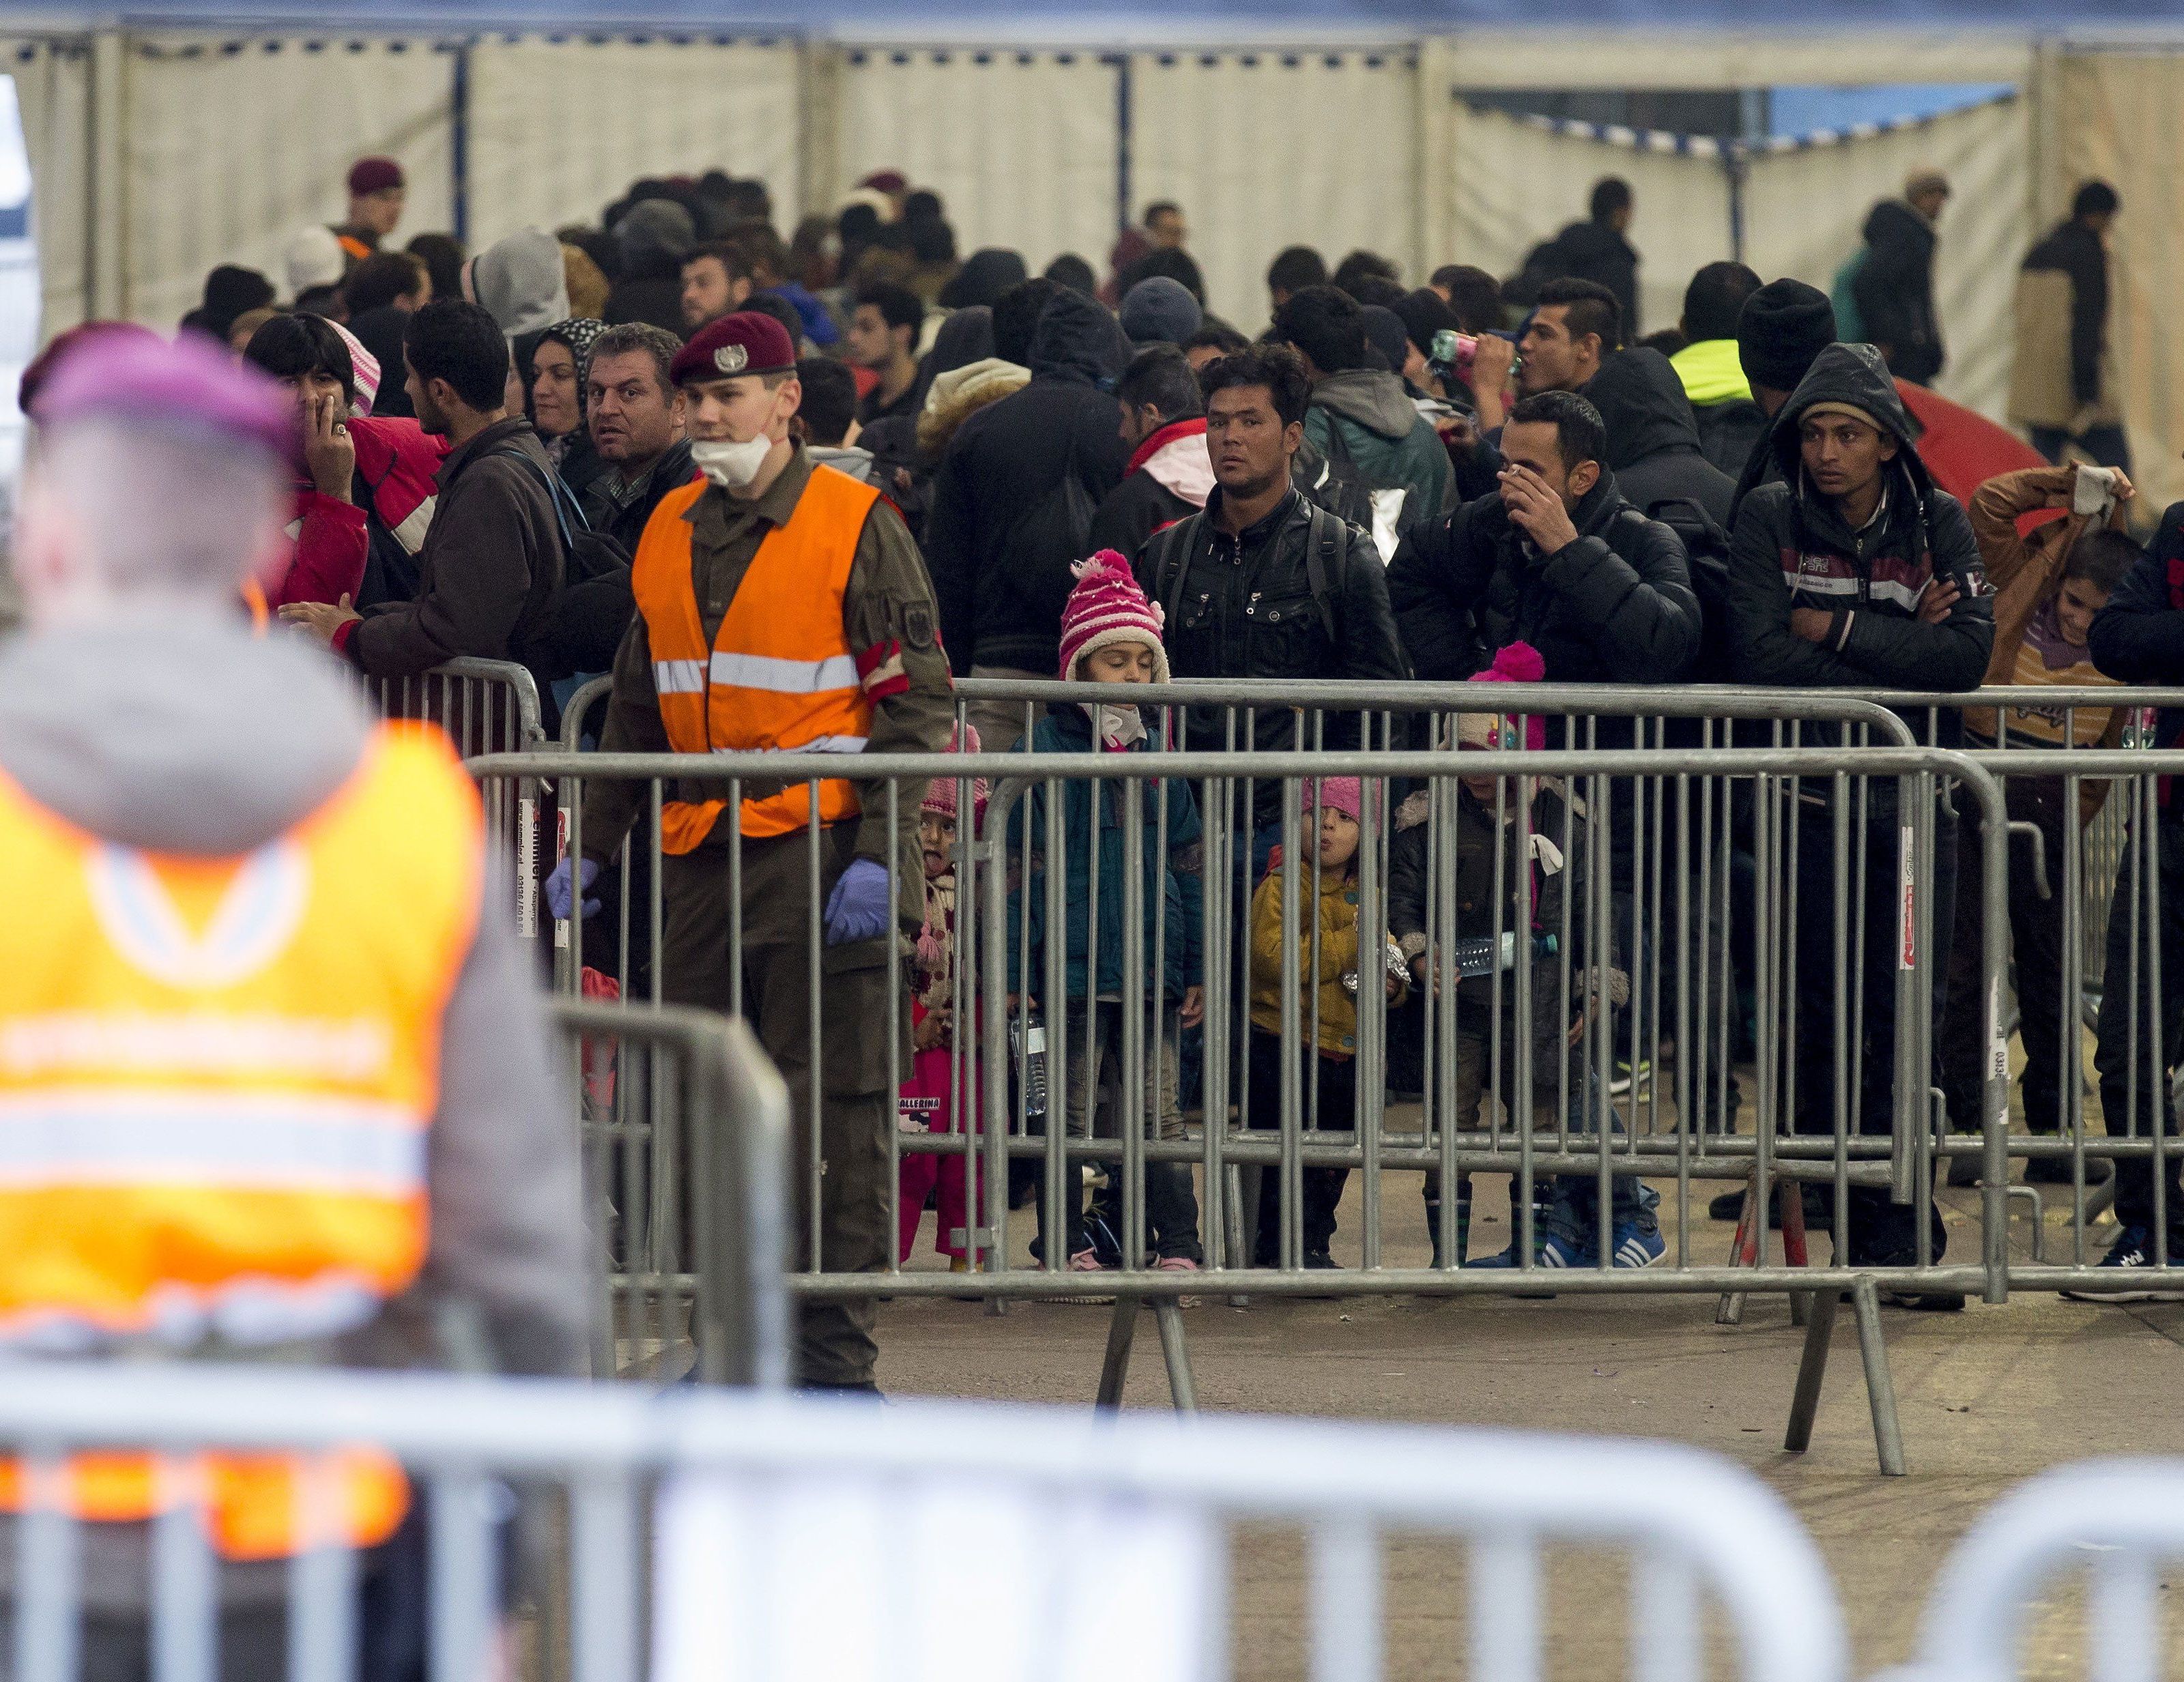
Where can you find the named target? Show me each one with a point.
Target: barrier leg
(1115, 1368)
(1743, 1252)
(1791, 1196)
(1182, 1387)
(1880, 1388)
(1811, 1368)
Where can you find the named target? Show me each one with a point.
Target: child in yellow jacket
(1331, 966)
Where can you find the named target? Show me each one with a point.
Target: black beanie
(1783, 326)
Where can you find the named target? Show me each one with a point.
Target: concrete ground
(1987, 1397)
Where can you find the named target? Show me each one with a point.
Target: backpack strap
(1172, 566)
(1321, 552)
(557, 492)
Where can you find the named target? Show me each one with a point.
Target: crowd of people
(678, 447)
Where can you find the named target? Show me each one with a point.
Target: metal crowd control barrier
(2120, 1522)
(1849, 960)
(711, 1534)
(684, 1126)
(487, 706)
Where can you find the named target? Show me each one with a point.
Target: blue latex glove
(857, 908)
(559, 894)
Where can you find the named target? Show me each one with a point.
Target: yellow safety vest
(216, 1081)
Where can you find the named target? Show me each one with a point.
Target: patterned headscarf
(578, 332)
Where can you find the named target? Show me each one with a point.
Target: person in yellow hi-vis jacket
(273, 1086)
(781, 606)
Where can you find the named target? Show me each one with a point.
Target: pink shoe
(1178, 1264)
(1086, 1260)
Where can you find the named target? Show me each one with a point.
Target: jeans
(2127, 999)
(1879, 1230)
(2036, 938)
(1093, 1103)
(2106, 445)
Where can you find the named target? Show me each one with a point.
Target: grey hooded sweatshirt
(520, 283)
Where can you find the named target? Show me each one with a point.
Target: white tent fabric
(1803, 208)
(53, 97)
(559, 128)
(1246, 142)
(1513, 182)
(1020, 146)
(231, 148)
(2118, 122)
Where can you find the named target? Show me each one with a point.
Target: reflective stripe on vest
(217, 1077)
(780, 675)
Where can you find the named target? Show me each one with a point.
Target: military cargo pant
(699, 958)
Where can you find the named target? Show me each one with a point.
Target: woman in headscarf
(560, 366)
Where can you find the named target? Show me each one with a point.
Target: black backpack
(1047, 540)
(1333, 485)
(390, 570)
(590, 610)
(1706, 546)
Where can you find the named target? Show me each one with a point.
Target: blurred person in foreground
(781, 606)
(411, 1202)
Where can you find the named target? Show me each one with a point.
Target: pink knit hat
(1517, 663)
(940, 792)
(1346, 794)
(365, 368)
(1107, 608)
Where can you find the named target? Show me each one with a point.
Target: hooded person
(1654, 447)
(1894, 285)
(557, 402)
(521, 283)
(654, 234)
(1013, 501)
(1866, 558)
(1854, 572)
(1361, 422)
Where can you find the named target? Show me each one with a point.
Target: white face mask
(729, 465)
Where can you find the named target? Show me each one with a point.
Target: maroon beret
(140, 379)
(367, 176)
(745, 343)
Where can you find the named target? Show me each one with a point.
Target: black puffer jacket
(1729, 433)
(1614, 607)
(1792, 549)
(1653, 436)
(1894, 290)
(1000, 605)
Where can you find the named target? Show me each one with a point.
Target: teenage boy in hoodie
(1170, 471)
(1362, 414)
(1854, 572)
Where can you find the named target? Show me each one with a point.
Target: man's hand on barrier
(1193, 1006)
(560, 894)
(857, 908)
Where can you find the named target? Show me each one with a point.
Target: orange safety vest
(216, 1081)
(780, 676)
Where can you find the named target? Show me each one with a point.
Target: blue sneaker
(1638, 1244)
(2130, 1262)
(1550, 1250)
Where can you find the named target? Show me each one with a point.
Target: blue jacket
(1173, 881)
